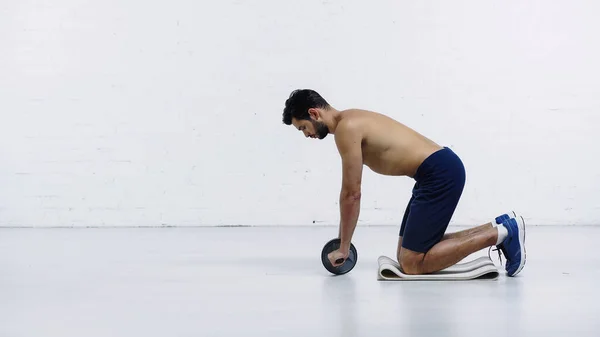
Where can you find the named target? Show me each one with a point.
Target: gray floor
(270, 282)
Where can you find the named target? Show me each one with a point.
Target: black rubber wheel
(347, 266)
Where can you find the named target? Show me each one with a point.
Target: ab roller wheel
(346, 266)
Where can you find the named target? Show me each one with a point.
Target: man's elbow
(352, 194)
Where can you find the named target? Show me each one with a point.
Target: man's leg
(453, 235)
(467, 232)
(496, 220)
(399, 248)
(404, 220)
(422, 248)
(447, 252)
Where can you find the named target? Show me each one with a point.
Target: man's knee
(399, 248)
(411, 262)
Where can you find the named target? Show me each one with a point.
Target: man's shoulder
(349, 130)
(353, 120)
(361, 119)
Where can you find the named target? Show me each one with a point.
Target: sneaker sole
(522, 245)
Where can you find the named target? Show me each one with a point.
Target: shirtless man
(390, 148)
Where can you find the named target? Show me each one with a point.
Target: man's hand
(338, 254)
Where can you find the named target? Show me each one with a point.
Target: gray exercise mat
(480, 268)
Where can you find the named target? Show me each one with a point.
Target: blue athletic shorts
(440, 180)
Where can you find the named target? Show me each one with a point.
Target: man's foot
(513, 246)
(499, 220)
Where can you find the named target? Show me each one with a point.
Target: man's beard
(321, 129)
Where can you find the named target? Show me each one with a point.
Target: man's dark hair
(299, 102)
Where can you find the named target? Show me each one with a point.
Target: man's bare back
(388, 146)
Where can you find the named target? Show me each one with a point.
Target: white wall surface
(151, 113)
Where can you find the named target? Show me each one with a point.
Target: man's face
(311, 128)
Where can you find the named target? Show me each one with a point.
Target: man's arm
(348, 140)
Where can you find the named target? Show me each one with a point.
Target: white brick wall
(135, 113)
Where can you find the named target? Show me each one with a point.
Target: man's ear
(314, 113)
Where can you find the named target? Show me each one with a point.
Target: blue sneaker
(513, 246)
(501, 218)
